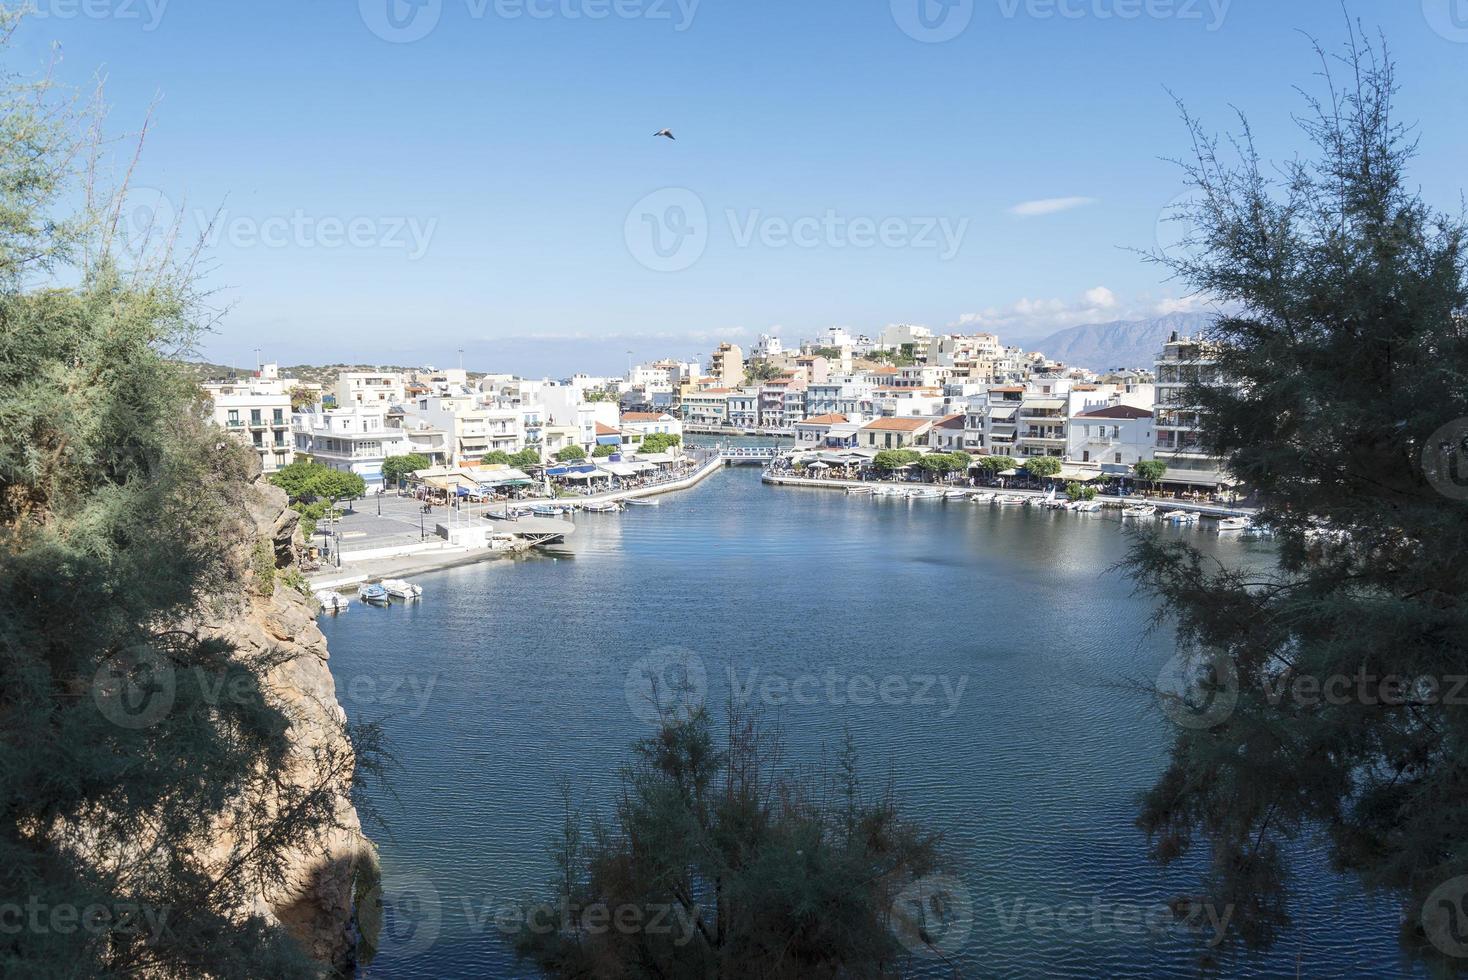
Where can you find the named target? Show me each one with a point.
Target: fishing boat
(889, 492)
(637, 502)
(374, 595)
(604, 507)
(333, 601)
(860, 491)
(1139, 510)
(1010, 500)
(1235, 524)
(956, 495)
(925, 493)
(1180, 517)
(983, 498)
(549, 510)
(1086, 506)
(402, 589)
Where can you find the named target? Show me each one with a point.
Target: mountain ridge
(1119, 343)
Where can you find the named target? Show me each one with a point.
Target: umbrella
(819, 466)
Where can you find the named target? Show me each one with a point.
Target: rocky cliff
(313, 899)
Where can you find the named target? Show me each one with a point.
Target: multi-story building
(355, 440)
(637, 426)
(781, 403)
(472, 429)
(257, 412)
(895, 433)
(709, 407)
(1115, 438)
(367, 388)
(744, 408)
(423, 438)
(1042, 424)
(727, 366)
(992, 422)
(1185, 361)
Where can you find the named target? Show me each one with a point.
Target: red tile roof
(831, 418)
(907, 424)
(644, 416)
(1117, 412)
(603, 430)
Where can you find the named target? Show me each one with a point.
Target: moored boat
(1139, 510)
(1086, 506)
(983, 497)
(373, 594)
(956, 495)
(1011, 500)
(1180, 517)
(402, 589)
(924, 493)
(333, 601)
(604, 507)
(860, 491)
(638, 502)
(1235, 524)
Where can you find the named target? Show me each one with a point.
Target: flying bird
(665, 132)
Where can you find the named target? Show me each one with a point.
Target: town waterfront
(1007, 729)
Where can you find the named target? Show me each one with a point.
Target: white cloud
(1032, 316)
(1050, 205)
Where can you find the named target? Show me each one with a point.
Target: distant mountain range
(1122, 344)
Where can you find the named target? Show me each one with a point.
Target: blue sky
(494, 184)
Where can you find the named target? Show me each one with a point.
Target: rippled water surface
(1025, 751)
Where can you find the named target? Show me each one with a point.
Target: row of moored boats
(375, 594)
(1051, 501)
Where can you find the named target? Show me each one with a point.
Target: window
(279, 416)
(234, 416)
(254, 416)
(1118, 457)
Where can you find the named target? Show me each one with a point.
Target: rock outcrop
(314, 902)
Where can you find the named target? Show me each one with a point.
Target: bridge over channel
(758, 455)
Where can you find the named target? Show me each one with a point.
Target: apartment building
(1115, 438)
(368, 388)
(744, 408)
(354, 440)
(727, 365)
(256, 411)
(708, 407)
(1185, 361)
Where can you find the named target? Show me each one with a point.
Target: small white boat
(925, 494)
(1139, 510)
(1180, 517)
(1235, 524)
(983, 498)
(333, 601)
(1086, 506)
(638, 502)
(604, 507)
(402, 589)
(956, 495)
(890, 492)
(860, 491)
(373, 594)
(1010, 500)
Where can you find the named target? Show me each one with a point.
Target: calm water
(510, 674)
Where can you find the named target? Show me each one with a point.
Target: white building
(354, 440)
(1185, 361)
(257, 412)
(1115, 438)
(369, 388)
(472, 429)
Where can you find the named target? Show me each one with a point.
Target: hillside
(1121, 344)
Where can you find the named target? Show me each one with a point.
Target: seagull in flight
(666, 132)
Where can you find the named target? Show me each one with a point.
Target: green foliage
(766, 874)
(659, 442)
(262, 568)
(1080, 491)
(292, 579)
(892, 459)
(395, 469)
(570, 454)
(122, 522)
(302, 399)
(1042, 467)
(306, 481)
(497, 457)
(602, 452)
(525, 459)
(1150, 470)
(1346, 348)
(758, 372)
(594, 395)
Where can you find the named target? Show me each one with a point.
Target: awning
(1044, 404)
(1079, 476)
(819, 466)
(620, 469)
(588, 475)
(567, 470)
(504, 477)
